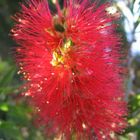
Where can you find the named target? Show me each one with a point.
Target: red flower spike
(72, 64)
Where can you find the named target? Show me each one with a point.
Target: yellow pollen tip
(60, 54)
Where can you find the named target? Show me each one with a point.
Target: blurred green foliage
(16, 122)
(16, 119)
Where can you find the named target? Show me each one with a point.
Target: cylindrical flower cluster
(71, 61)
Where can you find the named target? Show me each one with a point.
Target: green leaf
(19, 114)
(9, 131)
(7, 78)
(4, 107)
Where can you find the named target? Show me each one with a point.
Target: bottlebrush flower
(71, 61)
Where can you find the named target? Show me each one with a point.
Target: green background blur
(16, 117)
